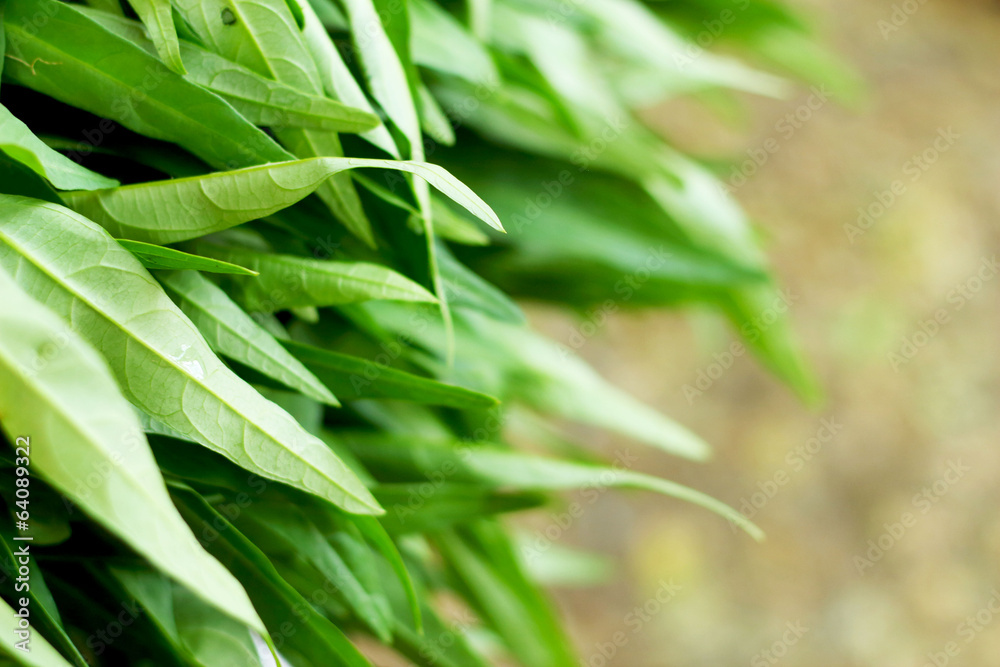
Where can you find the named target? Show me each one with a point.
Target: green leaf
(287, 281)
(212, 639)
(204, 637)
(261, 100)
(355, 378)
(398, 458)
(315, 637)
(433, 119)
(338, 193)
(526, 367)
(158, 257)
(288, 526)
(384, 69)
(73, 59)
(57, 389)
(410, 510)
(38, 653)
(261, 35)
(162, 363)
(440, 42)
(230, 331)
(264, 36)
(337, 80)
(17, 141)
(186, 208)
(18, 179)
(158, 17)
(375, 533)
(483, 561)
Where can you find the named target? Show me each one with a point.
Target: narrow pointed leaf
(158, 257)
(286, 281)
(158, 17)
(337, 80)
(230, 331)
(186, 208)
(494, 583)
(162, 363)
(81, 425)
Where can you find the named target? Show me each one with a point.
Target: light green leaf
(186, 208)
(73, 59)
(286, 281)
(230, 331)
(337, 193)
(263, 101)
(338, 82)
(355, 378)
(264, 36)
(158, 17)
(385, 74)
(259, 34)
(440, 42)
(161, 361)
(17, 141)
(56, 388)
(433, 119)
(158, 257)
(400, 458)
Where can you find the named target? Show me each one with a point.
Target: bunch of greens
(257, 394)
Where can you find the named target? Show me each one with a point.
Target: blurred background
(880, 505)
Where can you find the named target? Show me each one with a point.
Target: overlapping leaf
(161, 361)
(186, 208)
(232, 332)
(87, 443)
